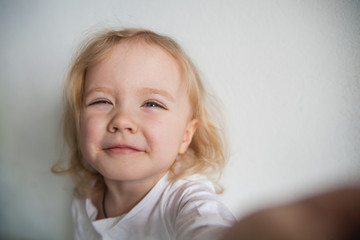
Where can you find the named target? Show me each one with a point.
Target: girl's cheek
(92, 127)
(160, 129)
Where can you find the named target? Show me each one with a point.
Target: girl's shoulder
(193, 203)
(196, 181)
(193, 191)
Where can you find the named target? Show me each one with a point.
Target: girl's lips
(121, 149)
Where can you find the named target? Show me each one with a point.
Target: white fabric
(184, 209)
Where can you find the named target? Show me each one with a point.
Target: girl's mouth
(121, 149)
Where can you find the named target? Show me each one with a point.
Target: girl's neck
(122, 196)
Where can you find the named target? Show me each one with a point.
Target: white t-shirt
(185, 209)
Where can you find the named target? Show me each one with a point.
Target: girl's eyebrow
(98, 89)
(161, 92)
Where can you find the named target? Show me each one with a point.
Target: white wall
(288, 74)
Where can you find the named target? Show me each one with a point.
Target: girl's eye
(153, 104)
(101, 101)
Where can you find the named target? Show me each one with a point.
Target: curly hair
(207, 151)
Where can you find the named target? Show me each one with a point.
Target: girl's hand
(332, 216)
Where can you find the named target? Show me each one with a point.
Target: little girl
(142, 144)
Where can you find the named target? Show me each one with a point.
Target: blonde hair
(206, 153)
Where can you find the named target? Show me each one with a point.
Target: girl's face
(136, 113)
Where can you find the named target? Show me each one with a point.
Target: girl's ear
(189, 133)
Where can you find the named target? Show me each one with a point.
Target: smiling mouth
(122, 149)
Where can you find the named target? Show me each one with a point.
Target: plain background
(287, 74)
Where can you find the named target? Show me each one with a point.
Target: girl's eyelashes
(154, 104)
(100, 101)
(147, 104)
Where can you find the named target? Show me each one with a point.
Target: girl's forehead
(141, 51)
(141, 62)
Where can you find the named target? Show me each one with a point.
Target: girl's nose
(122, 122)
